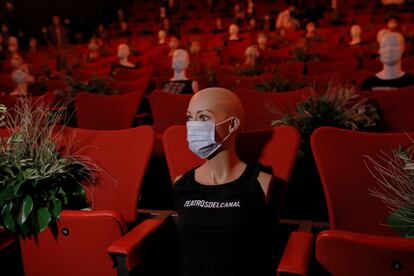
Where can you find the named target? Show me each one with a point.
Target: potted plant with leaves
(339, 106)
(38, 179)
(395, 178)
(279, 83)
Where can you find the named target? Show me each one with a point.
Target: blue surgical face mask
(201, 137)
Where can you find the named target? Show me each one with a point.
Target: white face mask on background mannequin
(201, 137)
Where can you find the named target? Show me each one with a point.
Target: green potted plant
(38, 178)
(395, 179)
(339, 106)
(279, 83)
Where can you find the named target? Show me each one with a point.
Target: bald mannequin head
(391, 48)
(217, 105)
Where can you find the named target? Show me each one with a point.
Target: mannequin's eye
(204, 117)
(189, 118)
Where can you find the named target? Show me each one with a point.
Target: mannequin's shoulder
(266, 182)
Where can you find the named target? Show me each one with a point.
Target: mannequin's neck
(262, 46)
(161, 41)
(21, 89)
(234, 37)
(355, 40)
(250, 61)
(124, 61)
(223, 165)
(180, 75)
(391, 72)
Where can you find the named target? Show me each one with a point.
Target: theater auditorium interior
(207, 137)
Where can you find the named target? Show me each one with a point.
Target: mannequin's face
(252, 23)
(162, 11)
(56, 20)
(219, 23)
(33, 43)
(392, 24)
(261, 39)
(233, 30)
(124, 26)
(310, 27)
(391, 48)
(355, 31)
(123, 51)
(173, 43)
(195, 47)
(180, 60)
(252, 52)
(161, 35)
(217, 105)
(4, 28)
(13, 45)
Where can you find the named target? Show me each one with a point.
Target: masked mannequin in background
(391, 76)
(22, 78)
(218, 26)
(223, 202)
(234, 33)
(180, 84)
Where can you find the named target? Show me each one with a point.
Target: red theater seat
(104, 112)
(84, 238)
(359, 242)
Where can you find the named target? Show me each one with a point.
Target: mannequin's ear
(234, 124)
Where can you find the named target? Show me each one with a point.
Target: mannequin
(267, 26)
(195, 47)
(251, 53)
(209, 197)
(162, 36)
(250, 8)
(252, 24)
(285, 20)
(234, 32)
(13, 46)
(94, 49)
(392, 24)
(381, 33)
(163, 12)
(219, 26)
(262, 41)
(355, 35)
(58, 33)
(124, 30)
(174, 43)
(180, 84)
(22, 78)
(391, 76)
(123, 54)
(32, 45)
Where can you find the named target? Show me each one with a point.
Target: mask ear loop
(230, 133)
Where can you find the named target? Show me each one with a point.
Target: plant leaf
(43, 218)
(8, 220)
(25, 210)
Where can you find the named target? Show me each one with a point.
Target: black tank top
(227, 229)
(178, 87)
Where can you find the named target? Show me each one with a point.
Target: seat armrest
(297, 255)
(132, 247)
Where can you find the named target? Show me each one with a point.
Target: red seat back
(80, 249)
(398, 111)
(276, 148)
(360, 254)
(124, 87)
(168, 109)
(122, 157)
(133, 74)
(261, 108)
(317, 67)
(103, 112)
(346, 180)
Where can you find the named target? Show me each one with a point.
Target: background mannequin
(22, 78)
(123, 54)
(251, 53)
(355, 35)
(174, 43)
(218, 26)
(262, 41)
(162, 36)
(234, 32)
(180, 84)
(222, 178)
(391, 76)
